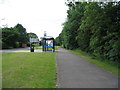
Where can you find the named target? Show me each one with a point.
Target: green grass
(51, 48)
(37, 48)
(105, 64)
(29, 70)
(48, 48)
(0, 70)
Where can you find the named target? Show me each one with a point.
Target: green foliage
(23, 38)
(13, 37)
(72, 24)
(94, 28)
(32, 35)
(58, 40)
(9, 37)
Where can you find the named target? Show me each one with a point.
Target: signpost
(33, 40)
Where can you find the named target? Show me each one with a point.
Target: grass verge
(28, 70)
(1, 71)
(48, 48)
(105, 64)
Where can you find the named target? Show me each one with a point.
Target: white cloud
(36, 16)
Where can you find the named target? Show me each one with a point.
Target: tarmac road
(27, 49)
(75, 72)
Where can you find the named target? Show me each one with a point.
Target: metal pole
(30, 42)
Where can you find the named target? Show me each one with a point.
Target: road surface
(75, 72)
(27, 49)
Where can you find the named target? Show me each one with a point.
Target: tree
(32, 35)
(9, 38)
(59, 40)
(99, 31)
(112, 38)
(93, 27)
(14, 37)
(23, 38)
(75, 13)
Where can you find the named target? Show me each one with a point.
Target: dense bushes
(93, 27)
(14, 37)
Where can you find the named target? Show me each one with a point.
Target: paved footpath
(75, 72)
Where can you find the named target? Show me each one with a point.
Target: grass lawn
(0, 70)
(105, 64)
(48, 48)
(29, 70)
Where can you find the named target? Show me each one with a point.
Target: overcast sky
(36, 16)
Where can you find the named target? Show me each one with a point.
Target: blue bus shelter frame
(45, 45)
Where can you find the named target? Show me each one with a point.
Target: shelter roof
(48, 37)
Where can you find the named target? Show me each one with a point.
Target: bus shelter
(48, 44)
